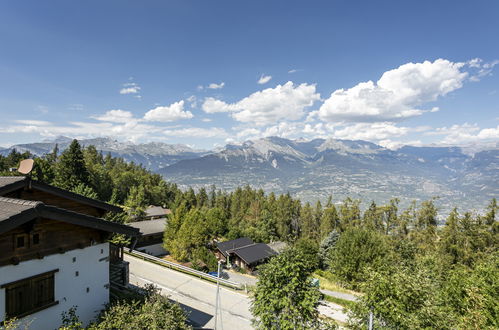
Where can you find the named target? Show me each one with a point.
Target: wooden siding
(54, 237)
(61, 202)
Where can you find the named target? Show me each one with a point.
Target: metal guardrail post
(185, 269)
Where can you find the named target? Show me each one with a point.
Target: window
(29, 295)
(35, 239)
(21, 241)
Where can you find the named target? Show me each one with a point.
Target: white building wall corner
(82, 281)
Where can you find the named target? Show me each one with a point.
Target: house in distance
(151, 240)
(244, 253)
(54, 253)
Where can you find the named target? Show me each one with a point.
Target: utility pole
(218, 305)
(371, 320)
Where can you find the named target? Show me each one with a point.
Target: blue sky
(206, 73)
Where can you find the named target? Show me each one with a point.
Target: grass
(328, 282)
(342, 302)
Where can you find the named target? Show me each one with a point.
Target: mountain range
(465, 177)
(153, 155)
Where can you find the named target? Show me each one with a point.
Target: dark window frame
(38, 235)
(30, 295)
(25, 238)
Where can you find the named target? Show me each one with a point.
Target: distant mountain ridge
(318, 168)
(466, 177)
(153, 155)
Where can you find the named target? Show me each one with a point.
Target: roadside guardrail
(184, 269)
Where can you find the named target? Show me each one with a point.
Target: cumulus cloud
(132, 130)
(174, 111)
(466, 133)
(268, 106)
(397, 95)
(130, 88)
(264, 79)
(216, 86)
(370, 131)
(115, 116)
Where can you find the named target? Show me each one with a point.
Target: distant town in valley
(267, 165)
(312, 170)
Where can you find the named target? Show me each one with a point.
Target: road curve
(195, 295)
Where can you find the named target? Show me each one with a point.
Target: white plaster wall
(92, 264)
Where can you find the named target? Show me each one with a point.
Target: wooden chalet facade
(54, 253)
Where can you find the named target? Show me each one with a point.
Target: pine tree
(70, 169)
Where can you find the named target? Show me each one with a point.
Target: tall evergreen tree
(70, 169)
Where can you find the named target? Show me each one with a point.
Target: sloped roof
(233, 244)
(12, 183)
(10, 207)
(254, 252)
(9, 183)
(15, 212)
(157, 211)
(149, 227)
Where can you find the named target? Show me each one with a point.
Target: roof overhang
(52, 212)
(33, 184)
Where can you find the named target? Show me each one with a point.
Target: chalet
(223, 248)
(54, 253)
(151, 240)
(244, 253)
(156, 212)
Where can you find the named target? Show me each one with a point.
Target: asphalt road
(194, 295)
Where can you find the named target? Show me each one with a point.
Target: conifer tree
(71, 169)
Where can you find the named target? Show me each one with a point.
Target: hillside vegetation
(413, 273)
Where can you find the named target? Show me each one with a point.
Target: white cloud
(396, 95)
(115, 116)
(268, 106)
(212, 105)
(206, 120)
(174, 111)
(370, 131)
(193, 101)
(484, 69)
(294, 70)
(216, 86)
(475, 63)
(130, 88)
(264, 79)
(466, 133)
(131, 130)
(394, 145)
(249, 133)
(33, 122)
(212, 132)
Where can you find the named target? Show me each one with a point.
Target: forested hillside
(412, 272)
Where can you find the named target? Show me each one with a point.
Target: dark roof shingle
(9, 183)
(149, 227)
(233, 244)
(15, 212)
(254, 252)
(13, 183)
(10, 207)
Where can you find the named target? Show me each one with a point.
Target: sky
(207, 73)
